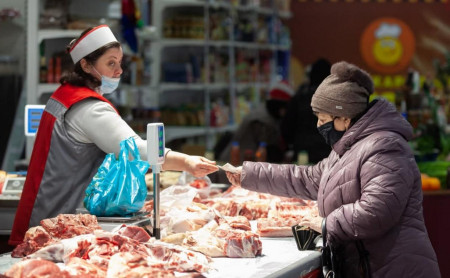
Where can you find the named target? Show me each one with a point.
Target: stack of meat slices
(274, 215)
(126, 252)
(53, 229)
(222, 237)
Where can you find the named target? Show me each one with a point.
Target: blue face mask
(109, 84)
(329, 133)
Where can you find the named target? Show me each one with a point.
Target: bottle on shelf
(235, 154)
(43, 70)
(261, 152)
(57, 73)
(50, 71)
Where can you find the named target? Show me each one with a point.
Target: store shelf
(178, 132)
(47, 88)
(182, 86)
(201, 43)
(177, 3)
(285, 15)
(46, 34)
(193, 86)
(215, 60)
(249, 85)
(181, 42)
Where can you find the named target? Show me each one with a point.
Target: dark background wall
(333, 29)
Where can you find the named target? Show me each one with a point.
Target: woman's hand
(235, 178)
(200, 166)
(313, 222)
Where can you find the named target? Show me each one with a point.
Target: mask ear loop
(97, 72)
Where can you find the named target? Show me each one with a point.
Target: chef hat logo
(388, 30)
(91, 41)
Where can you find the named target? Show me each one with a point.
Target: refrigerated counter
(280, 258)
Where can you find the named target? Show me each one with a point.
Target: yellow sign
(387, 45)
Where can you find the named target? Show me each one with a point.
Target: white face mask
(109, 84)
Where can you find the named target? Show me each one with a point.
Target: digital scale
(13, 186)
(155, 157)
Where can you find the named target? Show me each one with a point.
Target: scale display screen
(155, 143)
(161, 141)
(33, 114)
(13, 185)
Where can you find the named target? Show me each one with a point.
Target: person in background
(78, 128)
(262, 125)
(368, 190)
(298, 127)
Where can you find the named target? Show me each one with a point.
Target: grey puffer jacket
(369, 189)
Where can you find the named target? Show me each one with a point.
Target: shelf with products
(205, 47)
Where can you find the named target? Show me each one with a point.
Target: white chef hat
(91, 41)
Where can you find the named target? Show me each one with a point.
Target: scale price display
(13, 185)
(155, 143)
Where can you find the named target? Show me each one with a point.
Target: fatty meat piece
(134, 232)
(134, 265)
(177, 258)
(35, 238)
(83, 269)
(36, 268)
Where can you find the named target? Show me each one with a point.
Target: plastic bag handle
(129, 146)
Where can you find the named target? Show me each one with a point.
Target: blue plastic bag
(118, 188)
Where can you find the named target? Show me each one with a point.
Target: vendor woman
(78, 128)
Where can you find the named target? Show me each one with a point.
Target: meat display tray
(118, 219)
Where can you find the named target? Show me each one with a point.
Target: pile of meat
(220, 226)
(127, 252)
(274, 215)
(53, 229)
(194, 228)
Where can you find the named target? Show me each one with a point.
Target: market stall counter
(280, 258)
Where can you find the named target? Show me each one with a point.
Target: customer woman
(78, 127)
(368, 189)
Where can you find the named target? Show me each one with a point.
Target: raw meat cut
(36, 268)
(276, 227)
(35, 238)
(239, 243)
(134, 232)
(69, 225)
(51, 230)
(236, 222)
(124, 265)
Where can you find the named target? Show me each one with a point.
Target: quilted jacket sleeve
(387, 177)
(283, 179)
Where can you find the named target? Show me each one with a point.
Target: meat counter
(280, 258)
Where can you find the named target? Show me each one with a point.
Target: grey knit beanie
(344, 93)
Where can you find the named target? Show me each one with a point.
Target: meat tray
(118, 219)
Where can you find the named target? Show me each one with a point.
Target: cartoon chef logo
(387, 45)
(388, 49)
